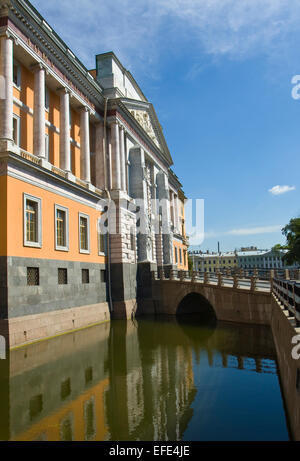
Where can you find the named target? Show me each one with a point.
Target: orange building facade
(78, 149)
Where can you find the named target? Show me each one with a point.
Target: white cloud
(140, 30)
(255, 230)
(278, 190)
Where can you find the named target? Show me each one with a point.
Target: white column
(39, 112)
(100, 157)
(65, 147)
(115, 159)
(6, 88)
(177, 214)
(172, 209)
(122, 158)
(85, 162)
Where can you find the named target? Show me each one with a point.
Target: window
(33, 276)
(61, 228)
(62, 276)
(88, 375)
(17, 75)
(180, 255)
(65, 389)
(84, 239)
(103, 276)
(85, 274)
(35, 406)
(176, 256)
(32, 221)
(16, 130)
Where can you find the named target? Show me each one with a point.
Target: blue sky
(219, 74)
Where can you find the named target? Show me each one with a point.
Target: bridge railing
(248, 274)
(220, 279)
(288, 294)
(263, 274)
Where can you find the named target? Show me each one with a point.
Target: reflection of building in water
(63, 383)
(80, 419)
(119, 381)
(153, 403)
(243, 351)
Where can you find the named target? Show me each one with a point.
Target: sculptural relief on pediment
(143, 119)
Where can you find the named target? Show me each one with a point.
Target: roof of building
(258, 253)
(215, 255)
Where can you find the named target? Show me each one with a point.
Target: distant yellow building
(212, 262)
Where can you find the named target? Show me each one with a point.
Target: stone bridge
(225, 297)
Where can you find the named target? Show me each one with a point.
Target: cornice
(35, 28)
(15, 159)
(173, 179)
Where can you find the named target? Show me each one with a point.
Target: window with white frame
(32, 221)
(84, 233)
(16, 130)
(61, 228)
(16, 74)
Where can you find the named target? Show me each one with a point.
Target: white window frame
(18, 120)
(88, 251)
(38, 201)
(18, 84)
(66, 211)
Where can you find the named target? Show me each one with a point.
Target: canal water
(151, 379)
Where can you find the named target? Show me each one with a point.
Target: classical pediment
(144, 114)
(143, 118)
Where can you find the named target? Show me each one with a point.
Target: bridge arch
(196, 303)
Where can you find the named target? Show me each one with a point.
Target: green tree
(292, 234)
(191, 263)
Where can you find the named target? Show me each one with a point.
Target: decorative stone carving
(143, 119)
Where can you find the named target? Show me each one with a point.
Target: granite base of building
(124, 309)
(30, 328)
